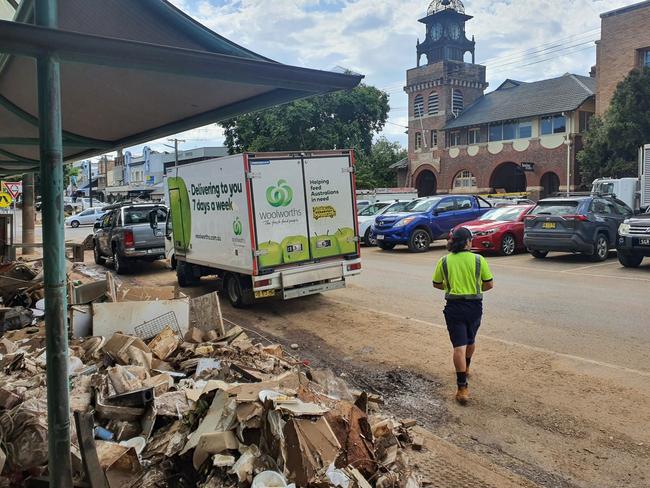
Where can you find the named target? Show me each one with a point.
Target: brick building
(522, 137)
(624, 45)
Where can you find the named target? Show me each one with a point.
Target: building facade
(624, 46)
(520, 138)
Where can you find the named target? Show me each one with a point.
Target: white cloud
(378, 37)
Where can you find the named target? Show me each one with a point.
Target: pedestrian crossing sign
(5, 200)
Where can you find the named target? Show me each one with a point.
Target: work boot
(462, 395)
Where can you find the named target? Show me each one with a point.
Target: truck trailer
(269, 225)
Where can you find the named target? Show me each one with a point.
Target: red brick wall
(622, 36)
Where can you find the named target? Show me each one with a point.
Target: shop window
(474, 136)
(554, 124)
(465, 179)
(584, 121)
(454, 139)
(418, 106)
(434, 103)
(525, 129)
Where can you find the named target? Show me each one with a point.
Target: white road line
(590, 266)
(503, 341)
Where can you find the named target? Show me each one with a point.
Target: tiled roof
(401, 164)
(508, 102)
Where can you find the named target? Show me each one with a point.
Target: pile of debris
(204, 408)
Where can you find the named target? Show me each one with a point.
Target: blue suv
(426, 220)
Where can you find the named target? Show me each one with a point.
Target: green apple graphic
(179, 203)
(272, 256)
(347, 242)
(325, 246)
(295, 249)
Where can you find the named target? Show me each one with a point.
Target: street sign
(14, 188)
(528, 167)
(5, 200)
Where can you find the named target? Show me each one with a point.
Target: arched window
(457, 102)
(418, 140)
(465, 179)
(418, 106)
(434, 103)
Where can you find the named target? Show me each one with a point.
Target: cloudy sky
(520, 39)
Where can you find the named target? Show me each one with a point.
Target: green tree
(612, 142)
(340, 120)
(69, 171)
(373, 169)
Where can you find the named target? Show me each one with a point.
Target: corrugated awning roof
(133, 71)
(517, 100)
(401, 164)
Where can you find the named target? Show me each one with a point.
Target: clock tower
(446, 39)
(439, 91)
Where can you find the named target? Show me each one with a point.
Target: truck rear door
(331, 214)
(280, 209)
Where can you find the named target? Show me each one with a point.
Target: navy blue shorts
(463, 319)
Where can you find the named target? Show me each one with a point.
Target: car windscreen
(503, 214)
(422, 205)
(556, 208)
(140, 215)
(397, 207)
(371, 210)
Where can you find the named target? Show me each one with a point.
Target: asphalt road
(563, 303)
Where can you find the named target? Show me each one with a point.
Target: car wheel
(239, 294)
(368, 239)
(74, 224)
(120, 264)
(99, 259)
(508, 245)
(601, 251)
(419, 241)
(385, 246)
(538, 254)
(630, 260)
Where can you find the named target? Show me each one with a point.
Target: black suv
(581, 224)
(634, 240)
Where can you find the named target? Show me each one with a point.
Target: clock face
(454, 31)
(436, 31)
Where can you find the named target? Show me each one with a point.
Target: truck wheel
(419, 241)
(630, 260)
(120, 264)
(508, 245)
(385, 246)
(538, 254)
(184, 275)
(238, 291)
(99, 259)
(368, 240)
(601, 248)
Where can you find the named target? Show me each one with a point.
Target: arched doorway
(550, 184)
(426, 183)
(509, 177)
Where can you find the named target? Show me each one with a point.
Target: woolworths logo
(237, 227)
(280, 195)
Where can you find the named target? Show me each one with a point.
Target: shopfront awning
(133, 71)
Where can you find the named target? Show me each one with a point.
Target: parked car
(426, 220)
(125, 235)
(367, 217)
(499, 230)
(509, 201)
(634, 240)
(580, 224)
(363, 203)
(87, 217)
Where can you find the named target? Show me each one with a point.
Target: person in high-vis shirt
(464, 277)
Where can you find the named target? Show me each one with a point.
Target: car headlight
(405, 221)
(484, 233)
(624, 229)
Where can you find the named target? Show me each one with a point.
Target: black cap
(461, 234)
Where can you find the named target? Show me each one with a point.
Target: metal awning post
(56, 327)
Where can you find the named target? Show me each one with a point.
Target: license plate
(264, 293)
(380, 238)
(549, 225)
(160, 250)
(644, 242)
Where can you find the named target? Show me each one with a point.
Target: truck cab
(625, 189)
(426, 220)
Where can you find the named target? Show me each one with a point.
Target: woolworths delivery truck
(268, 224)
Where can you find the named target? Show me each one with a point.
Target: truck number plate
(380, 238)
(644, 242)
(264, 293)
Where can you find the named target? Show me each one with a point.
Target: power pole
(90, 182)
(28, 210)
(175, 141)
